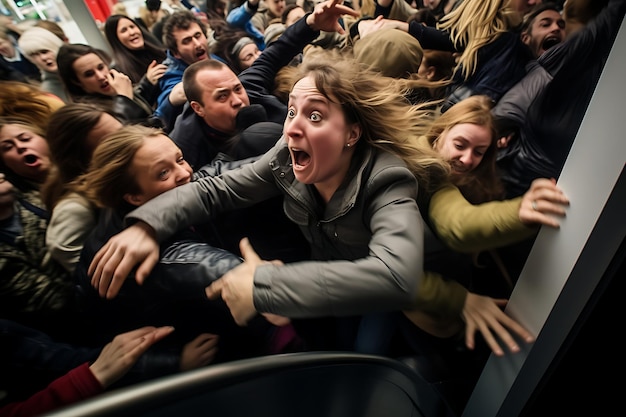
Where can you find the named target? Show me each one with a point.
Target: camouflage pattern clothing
(28, 285)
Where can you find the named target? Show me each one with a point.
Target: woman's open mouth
(300, 158)
(31, 160)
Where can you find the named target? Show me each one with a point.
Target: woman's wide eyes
(314, 116)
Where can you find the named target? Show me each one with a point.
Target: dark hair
(182, 19)
(287, 10)
(443, 61)
(65, 60)
(224, 43)
(215, 9)
(583, 11)
(133, 63)
(68, 130)
(424, 16)
(153, 5)
(438, 11)
(193, 91)
(529, 17)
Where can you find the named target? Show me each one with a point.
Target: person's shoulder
(384, 159)
(186, 125)
(74, 202)
(387, 168)
(172, 62)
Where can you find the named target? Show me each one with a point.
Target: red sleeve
(78, 384)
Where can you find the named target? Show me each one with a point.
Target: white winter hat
(38, 39)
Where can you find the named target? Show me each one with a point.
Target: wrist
(310, 20)
(146, 228)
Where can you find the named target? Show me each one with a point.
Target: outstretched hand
(119, 356)
(111, 265)
(543, 203)
(368, 26)
(484, 314)
(236, 285)
(199, 352)
(326, 16)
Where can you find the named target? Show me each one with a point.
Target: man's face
(546, 30)
(191, 43)
(222, 98)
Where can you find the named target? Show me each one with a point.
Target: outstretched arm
(326, 16)
(83, 382)
(136, 245)
(122, 353)
(484, 314)
(465, 227)
(445, 308)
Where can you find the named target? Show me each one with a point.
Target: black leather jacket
(174, 292)
(186, 267)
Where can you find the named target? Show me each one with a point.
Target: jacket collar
(346, 195)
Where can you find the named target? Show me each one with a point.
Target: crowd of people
(238, 179)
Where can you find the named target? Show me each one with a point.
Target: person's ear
(355, 135)
(525, 37)
(430, 72)
(133, 199)
(197, 108)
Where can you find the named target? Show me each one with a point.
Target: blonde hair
(119, 8)
(148, 18)
(483, 182)
(368, 8)
(22, 121)
(379, 105)
(476, 23)
(110, 174)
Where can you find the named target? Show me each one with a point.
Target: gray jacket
(367, 242)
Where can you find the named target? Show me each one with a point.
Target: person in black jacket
(137, 54)
(254, 85)
(129, 167)
(543, 111)
(87, 78)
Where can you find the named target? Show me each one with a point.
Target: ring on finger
(534, 205)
